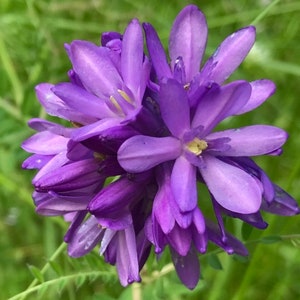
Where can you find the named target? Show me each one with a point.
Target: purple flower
(195, 149)
(142, 136)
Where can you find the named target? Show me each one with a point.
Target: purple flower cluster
(126, 172)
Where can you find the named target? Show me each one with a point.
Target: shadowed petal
(157, 53)
(85, 238)
(283, 204)
(75, 175)
(188, 39)
(232, 187)
(229, 55)
(261, 90)
(219, 103)
(183, 183)
(161, 206)
(95, 68)
(174, 107)
(80, 100)
(94, 129)
(187, 267)
(141, 153)
(180, 239)
(36, 161)
(127, 261)
(54, 106)
(231, 245)
(250, 140)
(132, 57)
(45, 143)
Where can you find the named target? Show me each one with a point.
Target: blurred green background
(32, 34)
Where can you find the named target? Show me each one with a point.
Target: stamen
(115, 103)
(99, 156)
(196, 146)
(125, 96)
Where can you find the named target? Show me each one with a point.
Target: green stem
(43, 271)
(56, 281)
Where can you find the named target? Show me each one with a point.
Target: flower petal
(82, 101)
(174, 107)
(141, 153)
(261, 90)
(157, 53)
(74, 175)
(232, 188)
(180, 239)
(219, 103)
(127, 261)
(54, 106)
(94, 129)
(250, 140)
(188, 39)
(95, 68)
(132, 57)
(187, 267)
(229, 55)
(45, 143)
(283, 204)
(36, 161)
(183, 183)
(85, 238)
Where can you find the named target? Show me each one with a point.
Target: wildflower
(151, 126)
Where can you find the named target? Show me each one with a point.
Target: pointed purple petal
(180, 239)
(85, 238)
(174, 107)
(162, 209)
(283, 204)
(229, 55)
(95, 69)
(75, 175)
(141, 153)
(250, 140)
(127, 261)
(157, 53)
(232, 187)
(219, 103)
(36, 161)
(54, 106)
(132, 57)
(231, 246)
(183, 182)
(80, 100)
(261, 90)
(115, 197)
(45, 143)
(188, 39)
(94, 129)
(56, 162)
(187, 267)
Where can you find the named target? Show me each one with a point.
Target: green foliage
(32, 34)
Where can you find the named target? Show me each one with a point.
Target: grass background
(32, 34)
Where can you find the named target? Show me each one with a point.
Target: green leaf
(271, 239)
(79, 281)
(214, 262)
(56, 267)
(36, 273)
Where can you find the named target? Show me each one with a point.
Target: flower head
(141, 139)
